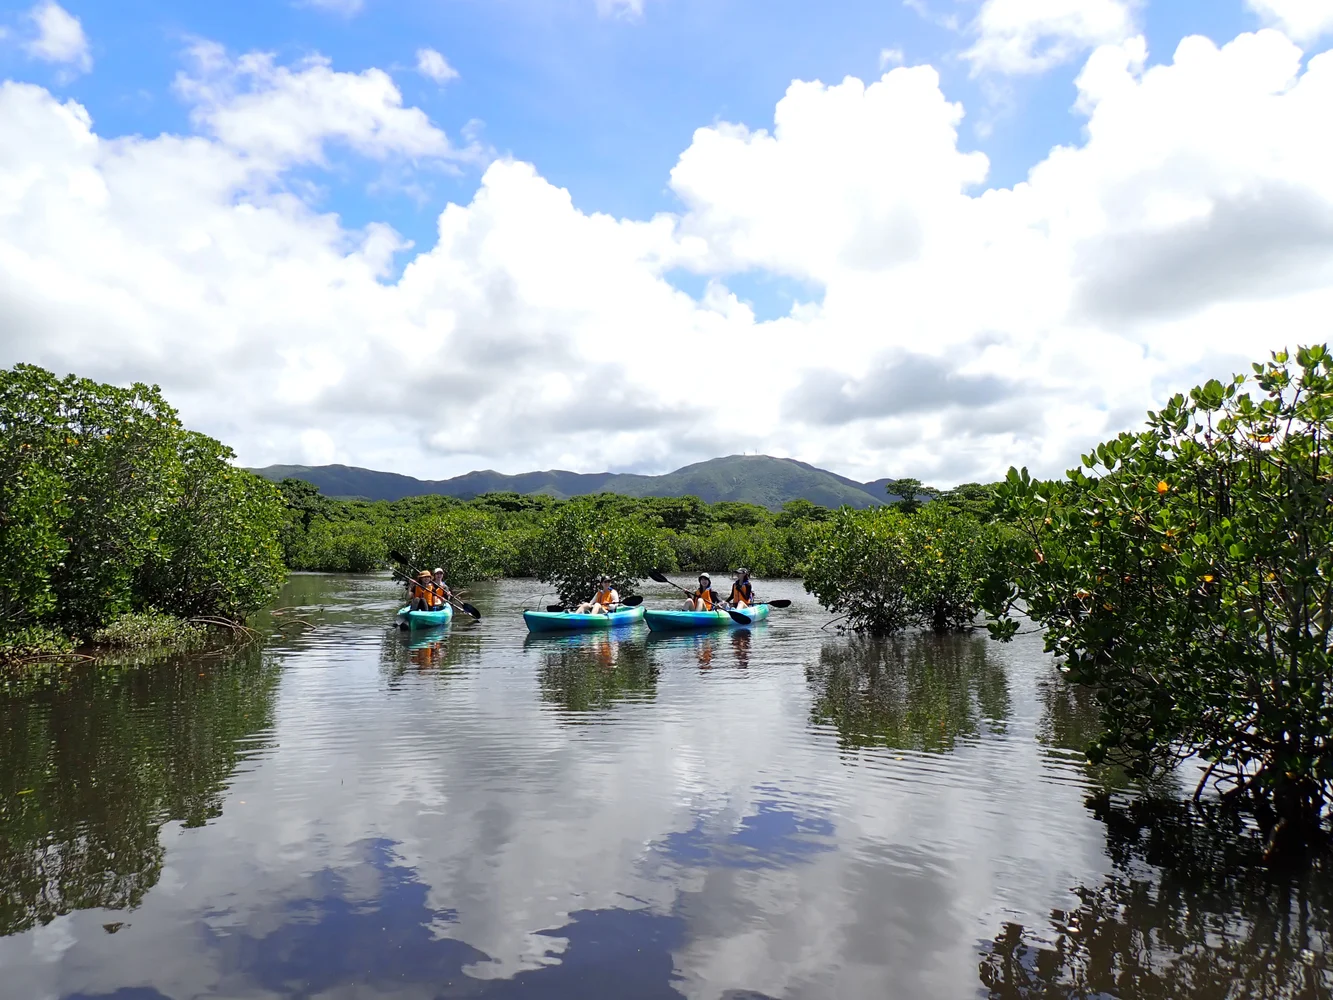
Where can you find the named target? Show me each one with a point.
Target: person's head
(604, 582)
(439, 573)
(742, 574)
(705, 580)
(423, 575)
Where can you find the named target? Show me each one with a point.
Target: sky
(932, 238)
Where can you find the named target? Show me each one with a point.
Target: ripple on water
(776, 811)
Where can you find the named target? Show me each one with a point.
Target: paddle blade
(633, 601)
(659, 576)
(740, 619)
(781, 603)
(470, 610)
(398, 557)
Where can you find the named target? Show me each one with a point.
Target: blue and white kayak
(683, 621)
(425, 619)
(568, 621)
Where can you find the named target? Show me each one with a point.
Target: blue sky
(249, 215)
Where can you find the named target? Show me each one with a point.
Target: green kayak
(682, 621)
(568, 621)
(425, 619)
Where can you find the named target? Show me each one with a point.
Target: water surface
(475, 812)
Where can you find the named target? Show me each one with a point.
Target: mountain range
(758, 479)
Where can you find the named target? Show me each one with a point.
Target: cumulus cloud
(950, 329)
(896, 384)
(59, 37)
(285, 115)
(1302, 20)
(432, 64)
(1032, 36)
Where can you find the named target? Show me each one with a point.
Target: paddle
(464, 607)
(632, 601)
(660, 577)
(741, 618)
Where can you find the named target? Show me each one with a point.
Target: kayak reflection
(585, 672)
(705, 645)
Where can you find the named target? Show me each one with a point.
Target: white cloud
(1302, 20)
(59, 37)
(620, 8)
(282, 115)
(1032, 36)
(1191, 231)
(890, 57)
(431, 64)
(344, 7)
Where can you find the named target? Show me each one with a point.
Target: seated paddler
(603, 602)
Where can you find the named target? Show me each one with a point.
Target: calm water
(477, 813)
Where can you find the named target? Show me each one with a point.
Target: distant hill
(759, 479)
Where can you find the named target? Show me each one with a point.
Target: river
(780, 812)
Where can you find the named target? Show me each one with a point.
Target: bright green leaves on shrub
(1187, 573)
(466, 543)
(580, 542)
(886, 570)
(108, 505)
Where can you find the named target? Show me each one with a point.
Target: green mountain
(758, 479)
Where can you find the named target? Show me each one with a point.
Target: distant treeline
(500, 534)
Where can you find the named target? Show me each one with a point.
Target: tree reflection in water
(1188, 914)
(592, 671)
(94, 768)
(912, 692)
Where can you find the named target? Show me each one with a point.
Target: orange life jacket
(706, 596)
(742, 593)
(605, 598)
(424, 591)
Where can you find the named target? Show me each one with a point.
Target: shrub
(1184, 573)
(139, 630)
(465, 542)
(33, 642)
(579, 543)
(885, 570)
(857, 569)
(108, 505)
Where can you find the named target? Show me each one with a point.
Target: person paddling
(422, 593)
(440, 592)
(742, 593)
(705, 598)
(603, 602)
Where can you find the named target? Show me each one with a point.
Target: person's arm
(615, 597)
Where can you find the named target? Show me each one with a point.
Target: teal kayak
(568, 621)
(681, 621)
(425, 619)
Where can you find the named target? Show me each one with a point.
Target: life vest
(605, 598)
(742, 593)
(423, 591)
(438, 591)
(706, 596)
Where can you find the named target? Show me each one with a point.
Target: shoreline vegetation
(120, 527)
(1180, 575)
